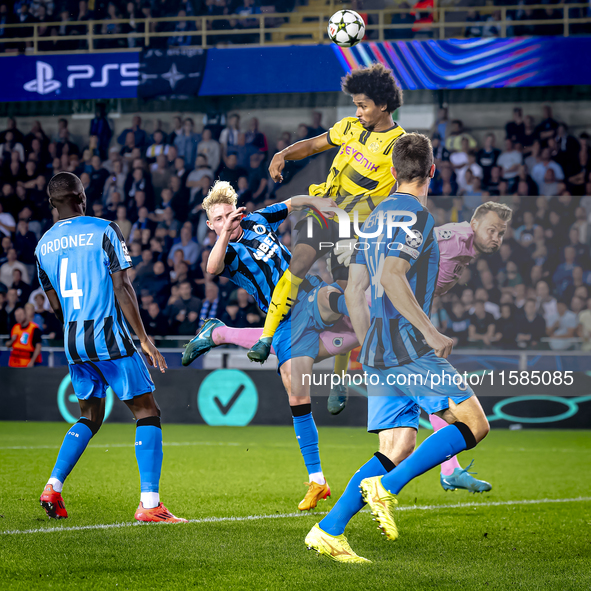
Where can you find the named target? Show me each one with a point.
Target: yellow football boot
(382, 504)
(335, 547)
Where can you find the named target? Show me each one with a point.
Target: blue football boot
(337, 400)
(202, 342)
(260, 350)
(461, 478)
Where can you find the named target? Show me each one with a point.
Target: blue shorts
(400, 392)
(298, 334)
(128, 377)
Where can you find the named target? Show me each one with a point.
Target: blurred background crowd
(535, 292)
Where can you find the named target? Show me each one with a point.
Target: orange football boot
(316, 492)
(53, 503)
(160, 513)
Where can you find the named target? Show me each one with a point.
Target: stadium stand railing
(307, 25)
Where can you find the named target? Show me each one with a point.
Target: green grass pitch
(448, 540)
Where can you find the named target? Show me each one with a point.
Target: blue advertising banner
(69, 77)
(430, 64)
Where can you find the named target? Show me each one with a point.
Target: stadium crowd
(417, 17)
(153, 184)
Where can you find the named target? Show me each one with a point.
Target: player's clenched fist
(442, 345)
(276, 166)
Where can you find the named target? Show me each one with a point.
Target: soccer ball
(346, 28)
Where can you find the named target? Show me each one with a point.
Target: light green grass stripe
(288, 515)
(131, 445)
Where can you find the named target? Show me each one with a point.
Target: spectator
(184, 312)
(231, 172)
(454, 142)
(177, 130)
(157, 283)
(158, 147)
(98, 178)
(187, 245)
(545, 303)
(99, 126)
(546, 129)
(182, 31)
(25, 342)
(194, 179)
(505, 328)
(538, 172)
(212, 302)
(8, 267)
(458, 325)
(210, 149)
(515, 130)
(561, 327)
(482, 325)
(11, 145)
(187, 141)
(7, 223)
(531, 327)
(440, 152)
(510, 160)
(155, 321)
(229, 136)
(254, 137)
(139, 135)
(122, 221)
(487, 156)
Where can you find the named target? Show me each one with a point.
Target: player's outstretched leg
(148, 453)
(468, 426)
(73, 446)
(453, 476)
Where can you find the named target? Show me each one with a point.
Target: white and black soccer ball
(415, 240)
(346, 28)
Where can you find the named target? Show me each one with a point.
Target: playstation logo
(44, 82)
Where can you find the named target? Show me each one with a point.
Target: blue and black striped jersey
(76, 258)
(392, 340)
(258, 259)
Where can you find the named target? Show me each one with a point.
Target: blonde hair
(502, 210)
(221, 192)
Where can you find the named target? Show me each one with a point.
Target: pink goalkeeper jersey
(456, 250)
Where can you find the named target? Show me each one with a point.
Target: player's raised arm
(400, 293)
(298, 151)
(230, 221)
(304, 201)
(127, 299)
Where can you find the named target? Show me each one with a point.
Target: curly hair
(377, 83)
(221, 192)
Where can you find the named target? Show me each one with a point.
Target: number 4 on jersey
(70, 293)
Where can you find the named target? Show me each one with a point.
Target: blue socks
(148, 452)
(73, 446)
(307, 436)
(351, 501)
(440, 446)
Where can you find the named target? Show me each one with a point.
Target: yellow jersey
(360, 176)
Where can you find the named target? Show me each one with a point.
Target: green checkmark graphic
(227, 397)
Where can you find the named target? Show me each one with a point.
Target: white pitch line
(288, 515)
(103, 445)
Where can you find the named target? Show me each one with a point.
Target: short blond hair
(502, 210)
(221, 192)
